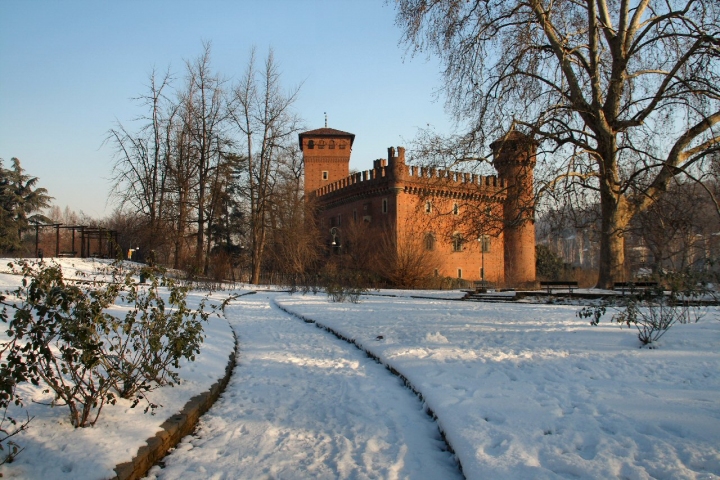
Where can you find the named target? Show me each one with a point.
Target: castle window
(428, 206)
(342, 145)
(384, 205)
(311, 143)
(321, 144)
(437, 272)
(456, 209)
(484, 243)
(459, 272)
(325, 175)
(332, 145)
(354, 215)
(429, 241)
(338, 221)
(457, 242)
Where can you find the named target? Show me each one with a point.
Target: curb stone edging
(176, 427)
(389, 367)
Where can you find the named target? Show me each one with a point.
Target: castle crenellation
(395, 169)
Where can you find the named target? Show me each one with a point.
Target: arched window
(429, 241)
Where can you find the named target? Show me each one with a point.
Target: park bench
(633, 287)
(559, 284)
(482, 286)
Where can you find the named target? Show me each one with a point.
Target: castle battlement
(413, 178)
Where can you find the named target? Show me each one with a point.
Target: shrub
(9, 426)
(652, 312)
(156, 336)
(343, 285)
(61, 335)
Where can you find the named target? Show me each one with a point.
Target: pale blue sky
(69, 69)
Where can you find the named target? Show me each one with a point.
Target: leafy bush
(9, 427)
(61, 335)
(156, 336)
(548, 265)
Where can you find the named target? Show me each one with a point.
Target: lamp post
(334, 234)
(483, 239)
(483, 289)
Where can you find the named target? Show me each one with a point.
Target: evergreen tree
(20, 203)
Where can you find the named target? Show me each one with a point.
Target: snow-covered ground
(55, 450)
(520, 391)
(531, 391)
(304, 405)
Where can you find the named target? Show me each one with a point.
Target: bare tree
(141, 165)
(294, 245)
(261, 112)
(205, 120)
(625, 94)
(403, 257)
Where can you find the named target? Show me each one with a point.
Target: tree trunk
(615, 219)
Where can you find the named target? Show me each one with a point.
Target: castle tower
(514, 160)
(326, 154)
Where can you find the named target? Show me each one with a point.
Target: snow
(531, 391)
(519, 391)
(302, 404)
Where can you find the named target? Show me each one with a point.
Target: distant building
(476, 226)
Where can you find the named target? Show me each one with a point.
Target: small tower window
(331, 146)
(484, 243)
(384, 205)
(354, 215)
(456, 209)
(459, 272)
(325, 175)
(321, 144)
(311, 144)
(428, 207)
(429, 241)
(457, 243)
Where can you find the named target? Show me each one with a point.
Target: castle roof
(326, 132)
(513, 136)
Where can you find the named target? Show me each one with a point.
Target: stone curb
(175, 427)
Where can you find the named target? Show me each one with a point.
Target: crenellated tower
(514, 159)
(326, 153)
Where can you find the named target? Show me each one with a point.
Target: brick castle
(460, 225)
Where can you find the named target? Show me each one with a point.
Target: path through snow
(302, 404)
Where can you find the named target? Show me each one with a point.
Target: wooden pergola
(94, 241)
